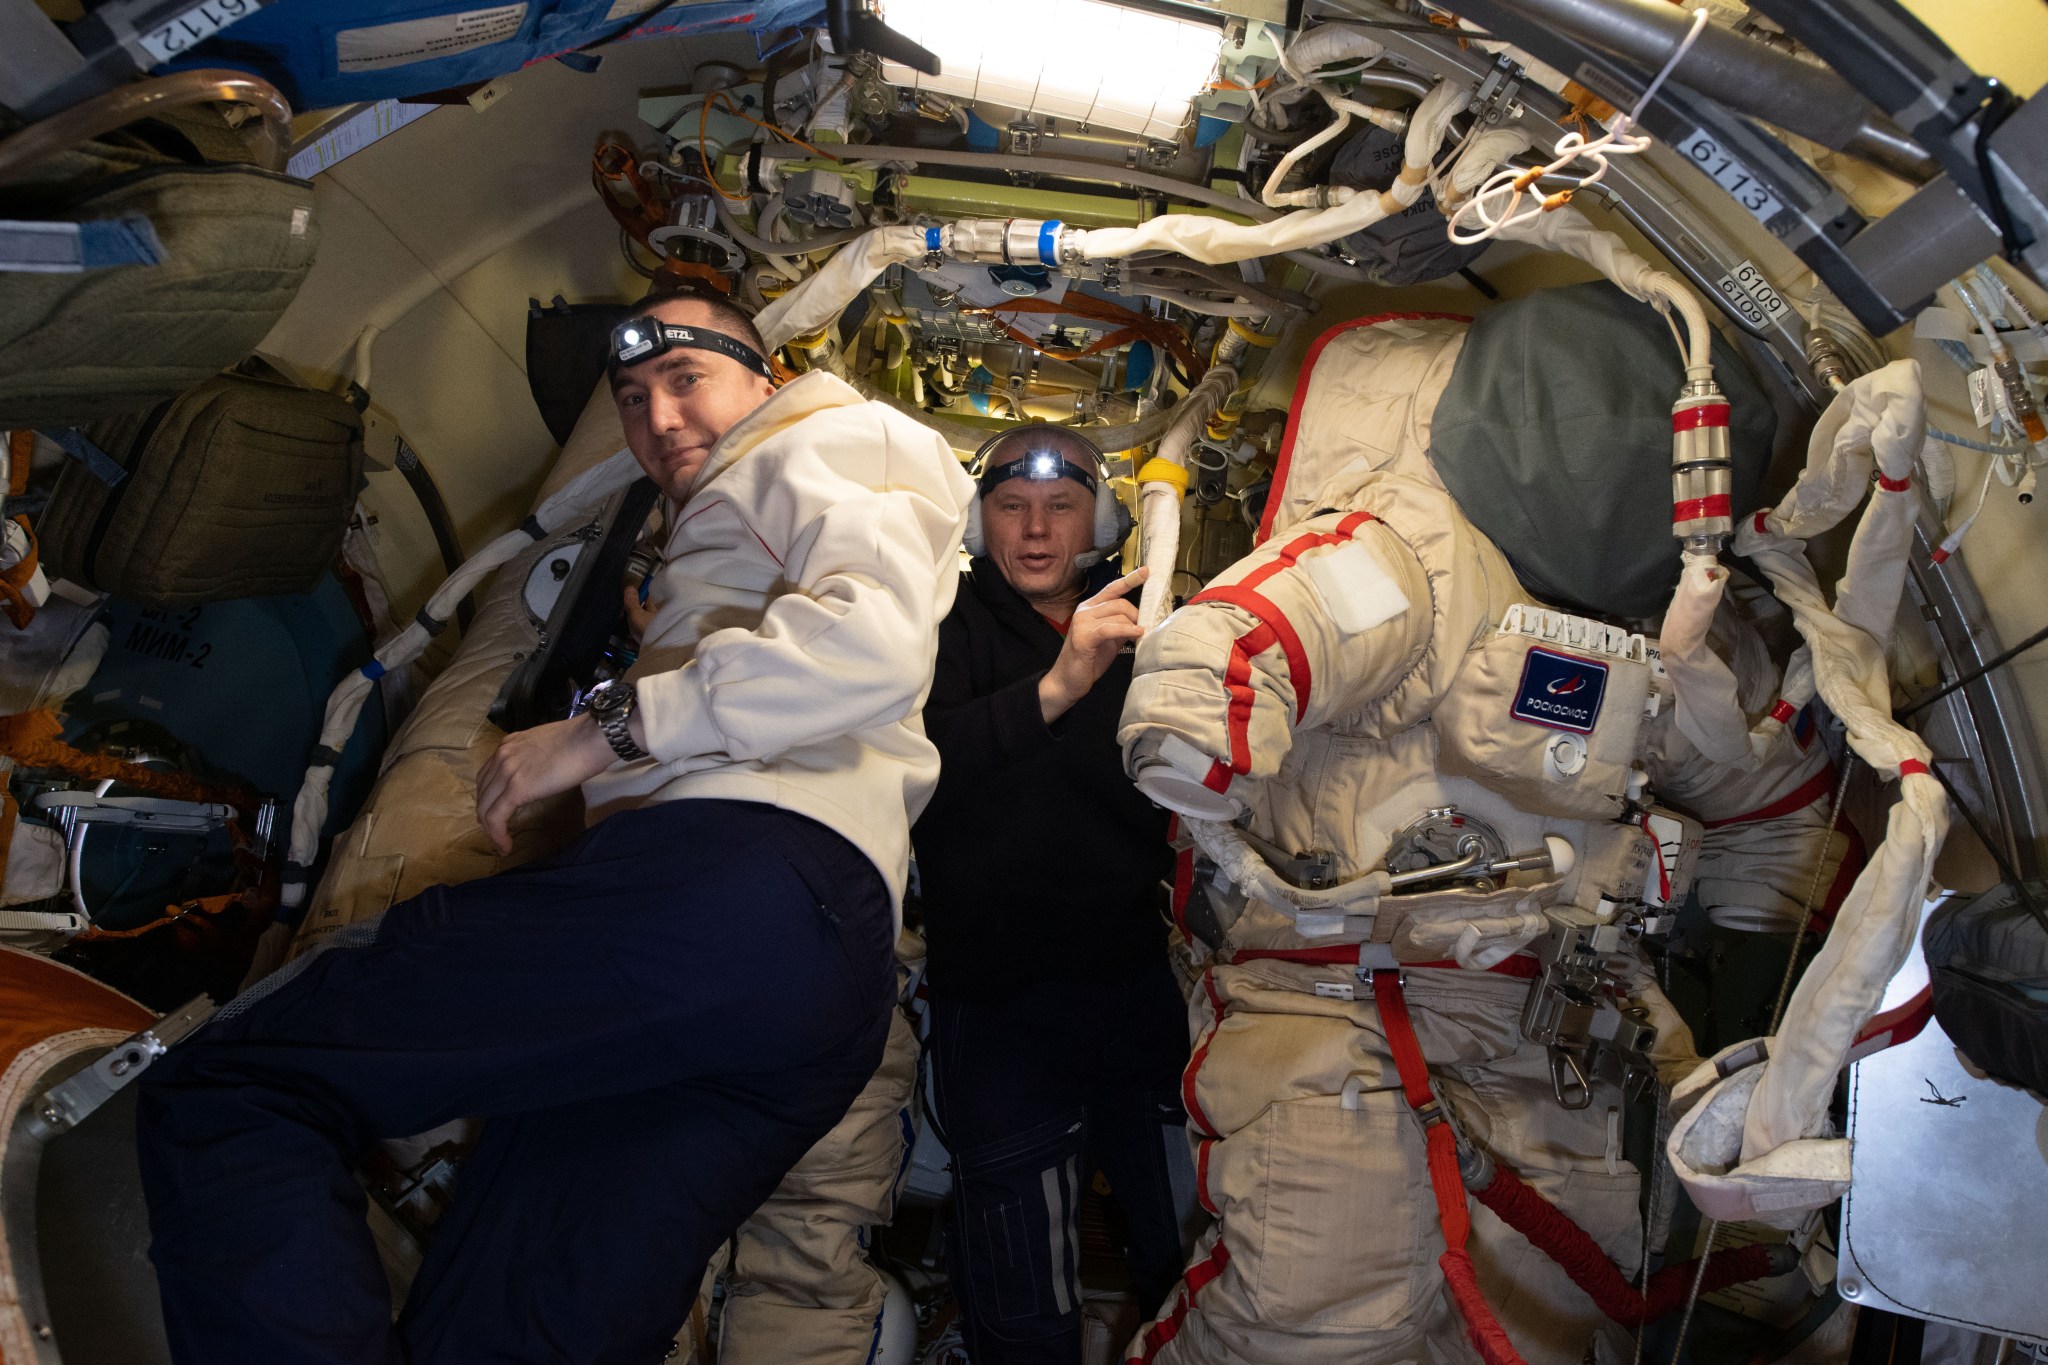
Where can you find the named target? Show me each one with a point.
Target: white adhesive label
(1336, 990)
(1752, 295)
(1356, 592)
(419, 40)
(1731, 175)
(194, 26)
(379, 121)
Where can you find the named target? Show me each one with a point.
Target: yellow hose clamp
(1157, 470)
(1248, 336)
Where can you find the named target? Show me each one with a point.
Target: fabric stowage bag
(240, 487)
(1987, 956)
(236, 241)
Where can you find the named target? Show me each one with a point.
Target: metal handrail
(120, 107)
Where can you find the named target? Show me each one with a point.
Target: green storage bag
(237, 243)
(240, 487)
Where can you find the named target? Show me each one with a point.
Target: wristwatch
(611, 707)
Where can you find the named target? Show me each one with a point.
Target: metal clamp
(64, 1106)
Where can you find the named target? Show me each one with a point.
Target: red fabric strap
(1912, 765)
(1441, 1148)
(1894, 485)
(1554, 1234)
(1705, 415)
(1782, 712)
(1808, 792)
(1692, 509)
(1758, 522)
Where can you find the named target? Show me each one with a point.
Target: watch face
(609, 700)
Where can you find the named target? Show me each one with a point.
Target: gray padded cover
(1554, 435)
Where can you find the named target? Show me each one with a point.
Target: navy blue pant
(655, 1025)
(1035, 1090)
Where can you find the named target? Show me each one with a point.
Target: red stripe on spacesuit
(1802, 796)
(1270, 616)
(1901, 1024)
(1237, 680)
(1273, 627)
(1188, 1098)
(1200, 1276)
(1202, 1146)
(1308, 365)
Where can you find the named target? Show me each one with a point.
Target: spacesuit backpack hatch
(1427, 799)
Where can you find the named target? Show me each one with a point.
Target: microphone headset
(1045, 461)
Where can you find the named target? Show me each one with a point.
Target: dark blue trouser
(1034, 1091)
(655, 1024)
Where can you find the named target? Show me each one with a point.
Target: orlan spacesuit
(1446, 790)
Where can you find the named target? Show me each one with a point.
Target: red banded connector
(1701, 471)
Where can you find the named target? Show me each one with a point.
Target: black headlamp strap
(1038, 468)
(652, 337)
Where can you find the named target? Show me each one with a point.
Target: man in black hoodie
(1058, 1029)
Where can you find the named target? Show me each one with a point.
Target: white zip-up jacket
(797, 619)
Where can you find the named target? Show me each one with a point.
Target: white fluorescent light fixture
(1085, 60)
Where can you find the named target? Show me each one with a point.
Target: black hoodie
(1038, 860)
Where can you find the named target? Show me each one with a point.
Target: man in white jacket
(656, 1023)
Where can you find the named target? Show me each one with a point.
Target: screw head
(1852, 1289)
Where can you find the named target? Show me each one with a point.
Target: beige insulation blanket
(419, 825)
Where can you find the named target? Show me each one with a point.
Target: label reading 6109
(1747, 289)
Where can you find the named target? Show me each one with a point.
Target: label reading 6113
(1731, 175)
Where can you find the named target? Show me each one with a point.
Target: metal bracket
(64, 1106)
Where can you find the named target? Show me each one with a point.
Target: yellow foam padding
(1157, 470)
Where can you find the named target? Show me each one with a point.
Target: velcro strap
(433, 625)
(1894, 485)
(533, 528)
(324, 757)
(1913, 765)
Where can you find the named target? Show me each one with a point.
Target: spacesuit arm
(849, 647)
(1307, 629)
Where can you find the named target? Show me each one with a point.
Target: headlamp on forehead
(1040, 466)
(643, 338)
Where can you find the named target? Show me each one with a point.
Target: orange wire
(704, 116)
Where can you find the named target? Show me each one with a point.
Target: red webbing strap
(1804, 795)
(1460, 1277)
(1554, 1234)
